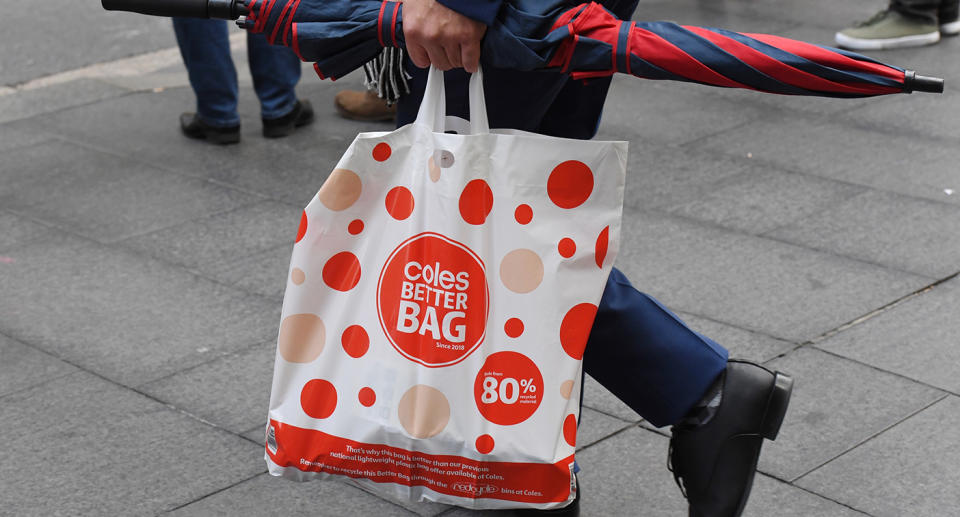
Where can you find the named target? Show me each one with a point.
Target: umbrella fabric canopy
(588, 41)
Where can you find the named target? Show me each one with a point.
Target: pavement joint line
(41, 383)
(605, 413)
(818, 495)
(611, 435)
(188, 503)
(882, 370)
(133, 66)
(598, 440)
(880, 310)
(871, 437)
(214, 358)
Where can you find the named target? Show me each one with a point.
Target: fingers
(438, 57)
(453, 52)
(470, 56)
(418, 55)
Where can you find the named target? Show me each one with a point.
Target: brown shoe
(365, 106)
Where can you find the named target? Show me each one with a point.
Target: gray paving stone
(742, 344)
(916, 339)
(758, 202)
(20, 134)
(596, 426)
(107, 197)
(900, 232)
(910, 469)
(16, 231)
(782, 290)
(834, 408)
(907, 165)
(22, 366)
(28, 103)
(87, 446)
(627, 475)
(708, 14)
(231, 392)
(264, 273)
(129, 318)
(773, 497)
(827, 13)
(59, 35)
(921, 115)
(208, 244)
(267, 495)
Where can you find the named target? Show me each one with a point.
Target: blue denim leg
(275, 70)
(647, 357)
(205, 48)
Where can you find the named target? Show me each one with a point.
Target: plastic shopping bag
(440, 294)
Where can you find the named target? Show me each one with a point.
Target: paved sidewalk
(141, 276)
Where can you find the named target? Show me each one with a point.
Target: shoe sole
(950, 29)
(918, 40)
(372, 118)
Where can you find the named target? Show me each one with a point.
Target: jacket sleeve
(484, 11)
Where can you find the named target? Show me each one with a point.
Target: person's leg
(276, 71)
(948, 16)
(205, 48)
(647, 357)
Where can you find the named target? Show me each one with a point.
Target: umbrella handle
(223, 9)
(921, 83)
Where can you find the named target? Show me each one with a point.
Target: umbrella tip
(912, 82)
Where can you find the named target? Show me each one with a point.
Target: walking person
(720, 410)
(205, 48)
(904, 23)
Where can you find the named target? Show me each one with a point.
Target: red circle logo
(508, 388)
(432, 300)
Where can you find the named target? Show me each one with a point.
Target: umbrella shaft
(223, 9)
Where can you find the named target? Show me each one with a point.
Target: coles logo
(432, 300)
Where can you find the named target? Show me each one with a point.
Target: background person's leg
(276, 71)
(205, 48)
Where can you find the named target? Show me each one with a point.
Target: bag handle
(433, 107)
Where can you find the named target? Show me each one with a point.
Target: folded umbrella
(585, 40)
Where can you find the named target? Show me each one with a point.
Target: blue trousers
(205, 47)
(637, 349)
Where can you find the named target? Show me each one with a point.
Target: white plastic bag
(440, 295)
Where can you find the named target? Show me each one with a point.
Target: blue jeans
(637, 349)
(205, 48)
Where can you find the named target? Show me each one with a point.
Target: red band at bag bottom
(315, 451)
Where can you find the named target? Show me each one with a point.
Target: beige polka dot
(302, 337)
(521, 271)
(297, 276)
(434, 170)
(424, 411)
(341, 190)
(566, 388)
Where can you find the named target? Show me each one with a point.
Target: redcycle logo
(432, 300)
(471, 488)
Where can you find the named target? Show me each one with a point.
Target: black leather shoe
(193, 127)
(714, 463)
(300, 115)
(571, 510)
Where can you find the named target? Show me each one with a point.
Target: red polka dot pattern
(381, 152)
(318, 398)
(355, 227)
(523, 214)
(342, 271)
(302, 230)
(484, 444)
(570, 184)
(399, 203)
(570, 430)
(567, 247)
(513, 327)
(355, 341)
(575, 328)
(603, 240)
(476, 201)
(367, 397)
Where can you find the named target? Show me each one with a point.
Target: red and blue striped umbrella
(588, 41)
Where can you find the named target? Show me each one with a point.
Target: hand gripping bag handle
(433, 107)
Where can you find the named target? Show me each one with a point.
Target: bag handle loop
(433, 107)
